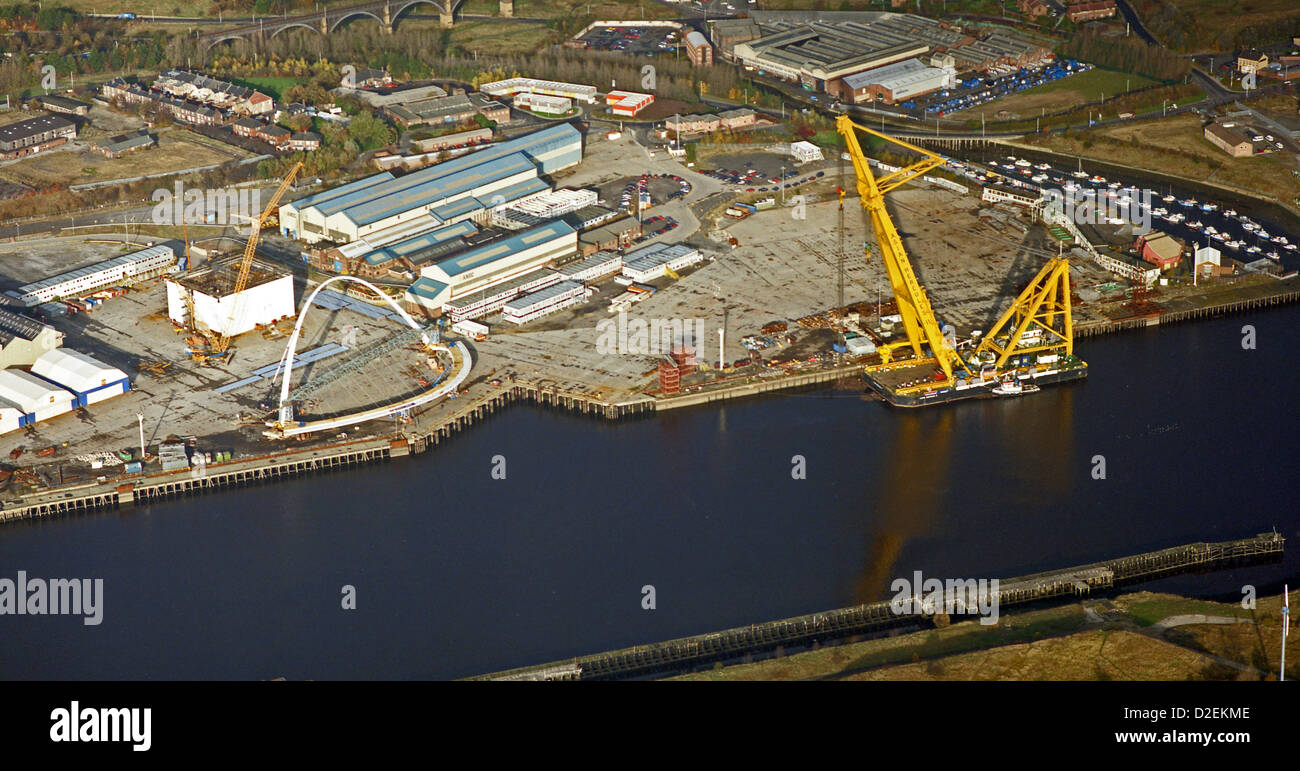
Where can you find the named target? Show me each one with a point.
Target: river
(457, 573)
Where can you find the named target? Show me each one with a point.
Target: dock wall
(689, 652)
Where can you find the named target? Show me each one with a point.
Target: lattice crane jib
(919, 323)
(1039, 320)
(223, 341)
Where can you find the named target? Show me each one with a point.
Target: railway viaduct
(386, 12)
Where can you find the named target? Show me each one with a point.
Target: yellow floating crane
(926, 361)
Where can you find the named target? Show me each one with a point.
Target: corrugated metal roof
(542, 295)
(427, 288)
(365, 193)
(495, 250)
(318, 200)
(413, 248)
(75, 370)
(444, 186)
(458, 208)
(28, 391)
(140, 256)
(514, 193)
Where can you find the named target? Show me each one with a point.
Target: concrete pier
(813, 629)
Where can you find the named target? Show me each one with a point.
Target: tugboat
(1013, 387)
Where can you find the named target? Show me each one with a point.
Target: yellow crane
(1038, 321)
(913, 305)
(220, 339)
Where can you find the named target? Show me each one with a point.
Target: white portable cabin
(89, 379)
(38, 399)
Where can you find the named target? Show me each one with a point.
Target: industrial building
(543, 302)
(487, 301)
(385, 96)
(614, 235)
(421, 244)
(548, 105)
(35, 134)
(656, 260)
(217, 309)
(1229, 138)
(89, 379)
(23, 340)
(820, 55)
(896, 82)
(627, 103)
(62, 104)
(1160, 249)
(462, 188)
(1021, 196)
(37, 398)
(457, 108)
(595, 267)
(468, 282)
(448, 141)
(543, 206)
(130, 142)
(129, 268)
(511, 86)
(12, 417)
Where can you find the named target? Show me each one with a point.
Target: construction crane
(221, 340)
(1038, 322)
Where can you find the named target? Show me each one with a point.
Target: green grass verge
(1149, 612)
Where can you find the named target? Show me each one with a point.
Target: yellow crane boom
(913, 305)
(222, 341)
(1038, 321)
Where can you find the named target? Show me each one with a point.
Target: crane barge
(1032, 342)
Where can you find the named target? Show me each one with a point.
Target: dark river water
(457, 573)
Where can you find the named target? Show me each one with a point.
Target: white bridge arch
(286, 421)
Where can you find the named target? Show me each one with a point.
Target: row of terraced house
(192, 98)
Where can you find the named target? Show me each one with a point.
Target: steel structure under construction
(1033, 341)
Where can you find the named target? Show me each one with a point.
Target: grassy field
(144, 8)
(1148, 611)
(271, 86)
(177, 149)
(1177, 145)
(1068, 92)
(501, 37)
(1051, 644)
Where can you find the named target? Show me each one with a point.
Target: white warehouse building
(655, 261)
(522, 310)
(117, 270)
(551, 105)
(512, 86)
(89, 379)
(463, 278)
(268, 298)
(596, 266)
(38, 399)
(462, 188)
(899, 81)
(11, 417)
